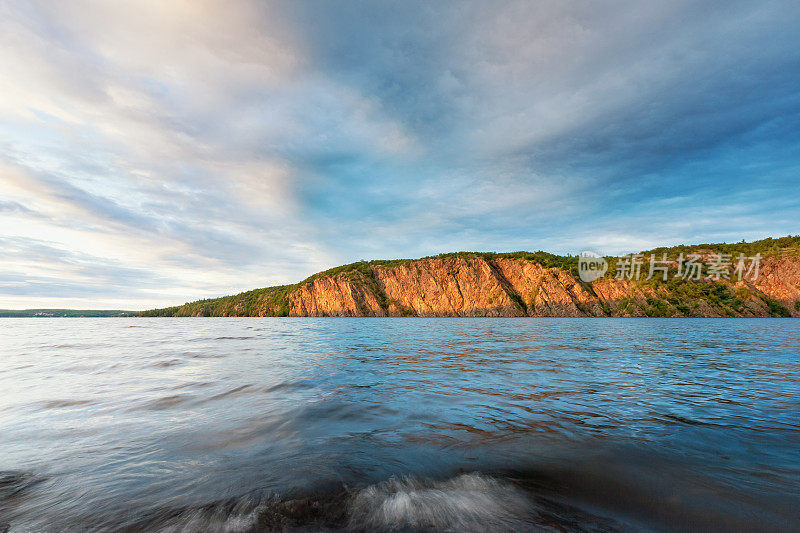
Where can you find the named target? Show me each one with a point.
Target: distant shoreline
(66, 313)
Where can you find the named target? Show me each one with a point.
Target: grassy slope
(272, 300)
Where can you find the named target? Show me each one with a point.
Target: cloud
(207, 147)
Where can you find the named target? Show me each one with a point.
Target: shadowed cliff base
(526, 284)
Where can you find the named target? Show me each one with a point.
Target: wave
(13, 486)
(61, 404)
(469, 502)
(13, 483)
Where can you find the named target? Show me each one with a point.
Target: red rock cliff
(470, 286)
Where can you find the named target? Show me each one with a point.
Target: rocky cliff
(473, 286)
(514, 285)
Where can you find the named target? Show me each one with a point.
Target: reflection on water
(413, 424)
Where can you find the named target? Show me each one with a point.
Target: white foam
(469, 502)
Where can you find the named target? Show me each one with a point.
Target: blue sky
(156, 152)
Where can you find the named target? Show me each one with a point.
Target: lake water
(251, 424)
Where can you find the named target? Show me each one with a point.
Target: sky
(154, 152)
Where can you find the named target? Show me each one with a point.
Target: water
(399, 424)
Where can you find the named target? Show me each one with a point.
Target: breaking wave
(469, 502)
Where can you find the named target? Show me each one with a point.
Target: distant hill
(525, 284)
(23, 313)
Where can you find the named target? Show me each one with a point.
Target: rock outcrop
(525, 284)
(339, 295)
(453, 286)
(472, 286)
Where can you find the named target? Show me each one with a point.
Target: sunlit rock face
(472, 286)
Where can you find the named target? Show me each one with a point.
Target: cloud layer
(154, 152)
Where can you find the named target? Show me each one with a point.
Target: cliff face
(779, 278)
(547, 291)
(455, 286)
(339, 295)
(471, 286)
(524, 284)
